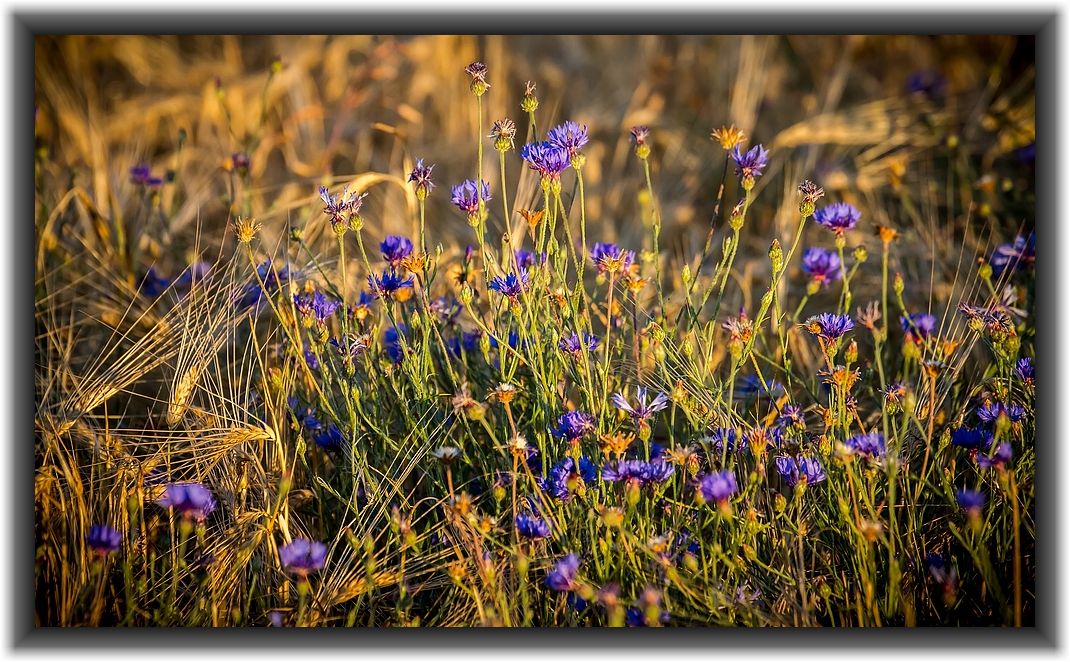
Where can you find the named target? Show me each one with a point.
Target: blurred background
(931, 135)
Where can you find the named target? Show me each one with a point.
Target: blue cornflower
(152, 284)
(389, 284)
(867, 445)
(642, 411)
(350, 346)
(564, 476)
(568, 136)
(192, 500)
(796, 469)
(103, 539)
(311, 361)
(141, 175)
(526, 259)
(531, 526)
(329, 437)
(1025, 370)
(822, 265)
(467, 196)
(991, 411)
(392, 339)
(272, 279)
(1002, 456)
(315, 307)
(511, 286)
(1017, 255)
(972, 501)
(195, 273)
(829, 326)
(838, 217)
(421, 178)
(547, 159)
(792, 416)
(563, 576)
(718, 486)
(751, 386)
(446, 309)
(340, 208)
(751, 163)
(611, 258)
(395, 249)
(303, 557)
(574, 424)
(575, 346)
(971, 438)
(918, 326)
(644, 473)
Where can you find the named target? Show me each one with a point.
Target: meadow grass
(574, 374)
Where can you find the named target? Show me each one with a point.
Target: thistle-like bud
(776, 256)
(246, 229)
(985, 271)
(685, 274)
(503, 132)
(813, 287)
(850, 355)
(466, 294)
(735, 221)
(478, 72)
(530, 102)
(898, 284)
(861, 254)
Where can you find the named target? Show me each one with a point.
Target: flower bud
(899, 285)
(861, 254)
(776, 256)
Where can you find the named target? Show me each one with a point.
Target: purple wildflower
(303, 557)
(574, 345)
(531, 526)
(792, 416)
(315, 306)
(574, 424)
(644, 473)
(971, 438)
(141, 175)
(511, 286)
(565, 473)
(612, 258)
(1025, 370)
(972, 501)
(389, 284)
(1017, 255)
(838, 217)
(563, 576)
(870, 445)
(395, 249)
(103, 539)
(829, 326)
(797, 469)
(718, 486)
(726, 440)
(340, 208)
(918, 327)
(750, 164)
(192, 500)
(1002, 456)
(467, 196)
(547, 159)
(822, 265)
(421, 178)
(568, 136)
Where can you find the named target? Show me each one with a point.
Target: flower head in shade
(531, 526)
(141, 175)
(351, 346)
(389, 284)
(971, 438)
(395, 249)
(466, 196)
(990, 412)
(1017, 255)
(999, 459)
(642, 410)
(918, 327)
(798, 469)
(575, 345)
(611, 258)
(547, 159)
(421, 178)
(315, 307)
(838, 217)
(103, 539)
(751, 163)
(726, 440)
(829, 326)
(972, 501)
(926, 82)
(792, 416)
(642, 472)
(574, 425)
(1025, 370)
(511, 285)
(393, 342)
(867, 445)
(752, 386)
(328, 437)
(718, 486)
(567, 477)
(563, 576)
(303, 557)
(822, 265)
(568, 136)
(192, 500)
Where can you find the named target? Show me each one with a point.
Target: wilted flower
(838, 217)
(615, 444)
(192, 500)
(640, 135)
(792, 416)
(421, 178)
(503, 132)
(446, 455)
(341, 208)
(246, 228)
(103, 539)
(303, 557)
